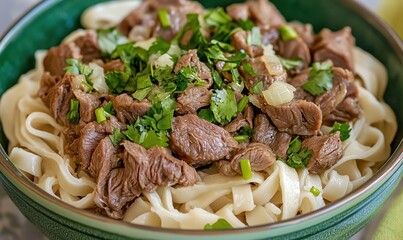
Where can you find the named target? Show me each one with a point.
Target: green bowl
(45, 26)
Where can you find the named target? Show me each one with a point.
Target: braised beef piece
(296, 118)
(88, 104)
(88, 46)
(336, 46)
(327, 150)
(192, 99)
(236, 124)
(340, 103)
(47, 82)
(144, 170)
(55, 60)
(144, 23)
(239, 41)
(88, 138)
(200, 142)
(248, 114)
(294, 49)
(238, 11)
(263, 75)
(58, 97)
(128, 109)
(114, 65)
(191, 59)
(259, 155)
(267, 133)
(304, 31)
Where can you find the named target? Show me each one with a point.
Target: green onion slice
(246, 169)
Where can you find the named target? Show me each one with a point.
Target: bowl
(45, 26)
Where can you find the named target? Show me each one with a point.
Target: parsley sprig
(343, 128)
(320, 79)
(298, 157)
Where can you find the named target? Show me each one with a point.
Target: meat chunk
(265, 14)
(200, 142)
(143, 22)
(336, 46)
(88, 104)
(58, 97)
(268, 134)
(238, 11)
(327, 150)
(263, 75)
(259, 155)
(304, 31)
(239, 41)
(55, 60)
(114, 65)
(191, 59)
(295, 49)
(144, 171)
(88, 46)
(295, 118)
(192, 99)
(127, 109)
(237, 123)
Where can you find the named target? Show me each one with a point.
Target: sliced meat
(304, 31)
(238, 11)
(295, 118)
(268, 134)
(88, 104)
(346, 111)
(259, 155)
(58, 97)
(248, 114)
(327, 150)
(335, 46)
(259, 65)
(114, 65)
(200, 142)
(192, 99)
(103, 160)
(236, 124)
(264, 14)
(144, 171)
(191, 59)
(55, 60)
(47, 82)
(239, 41)
(88, 46)
(295, 49)
(128, 109)
(297, 82)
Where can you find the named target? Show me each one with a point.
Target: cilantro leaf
(223, 105)
(75, 66)
(116, 137)
(159, 46)
(290, 64)
(298, 157)
(220, 224)
(242, 103)
(247, 131)
(214, 52)
(343, 128)
(217, 79)
(320, 79)
(116, 81)
(249, 69)
(257, 88)
(207, 114)
(154, 138)
(217, 17)
(108, 39)
(197, 39)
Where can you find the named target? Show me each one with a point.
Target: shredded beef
(200, 142)
(55, 60)
(259, 155)
(265, 14)
(336, 46)
(260, 68)
(236, 124)
(295, 49)
(192, 99)
(191, 59)
(327, 150)
(128, 109)
(268, 134)
(239, 41)
(88, 103)
(114, 65)
(88, 46)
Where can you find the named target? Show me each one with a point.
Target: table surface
(13, 225)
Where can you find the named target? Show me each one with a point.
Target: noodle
(280, 192)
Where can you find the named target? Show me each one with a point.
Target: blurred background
(14, 226)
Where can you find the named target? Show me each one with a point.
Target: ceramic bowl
(47, 23)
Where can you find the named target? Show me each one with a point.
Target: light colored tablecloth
(13, 225)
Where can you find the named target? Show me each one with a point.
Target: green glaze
(49, 22)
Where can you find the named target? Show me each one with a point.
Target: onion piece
(272, 62)
(98, 78)
(279, 93)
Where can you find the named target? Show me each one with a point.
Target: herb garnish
(320, 79)
(220, 224)
(74, 113)
(343, 128)
(298, 157)
(223, 105)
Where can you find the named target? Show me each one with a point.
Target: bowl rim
(391, 165)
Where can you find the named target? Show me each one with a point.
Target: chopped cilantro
(116, 137)
(247, 131)
(320, 79)
(217, 79)
(140, 94)
(108, 108)
(116, 81)
(257, 88)
(246, 25)
(191, 74)
(75, 66)
(207, 114)
(108, 39)
(298, 157)
(223, 105)
(163, 113)
(217, 17)
(343, 128)
(74, 114)
(214, 52)
(154, 138)
(249, 69)
(159, 46)
(220, 224)
(290, 64)
(197, 40)
(235, 75)
(241, 138)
